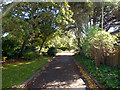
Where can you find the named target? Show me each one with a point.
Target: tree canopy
(45, 24)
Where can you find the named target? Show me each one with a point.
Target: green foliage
(44, 54)
(43, 18)
(85, 41)
(10, 48)
(103, 38)
(101, 41)
(4, 58)
(29, 54)
(64, 48)
(76, 52)
(59, 50)
(63, 40)
(106, 75)
(52, 51)
(31, 47)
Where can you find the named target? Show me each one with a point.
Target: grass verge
(15, 74)
(106, 75)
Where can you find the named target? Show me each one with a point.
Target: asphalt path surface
(61, 73)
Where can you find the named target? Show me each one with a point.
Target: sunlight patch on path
(65, 53)
(79, 83)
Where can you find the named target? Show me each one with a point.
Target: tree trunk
(42, 44)
(102, 16)
(23, 46)
(96, 56)
(78, 43)
(45, 40)
(94, 17)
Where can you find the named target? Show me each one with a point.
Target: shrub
(4, 58)
(52, 51)
(76, 52)
(44, 53)
(28, 54)
(59, 50)
(10, 48)
(31, 47)
(64, 48)
(98, 44)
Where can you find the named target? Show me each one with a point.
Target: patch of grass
(15, 74)
(106, 75)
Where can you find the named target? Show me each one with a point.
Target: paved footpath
(62, 73)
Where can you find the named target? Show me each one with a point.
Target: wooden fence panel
(113, 60)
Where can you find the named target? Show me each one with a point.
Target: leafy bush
(106, 75)
(98, 39)
(98, 44)
(4, 58)
(10, 48)
(31, 47)
(76, 52)
(59, 50)
(64, 48)
(28, 54)
(52, 51)
(44, 53)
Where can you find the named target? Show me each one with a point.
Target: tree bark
(102, 16)
(78, 43)
(45, 40)
(23, 46)
(42, 44)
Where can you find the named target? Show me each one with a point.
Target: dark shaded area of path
(61, 73)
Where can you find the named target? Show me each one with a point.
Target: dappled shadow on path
(61, 73)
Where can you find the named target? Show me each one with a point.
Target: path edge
(27, 82)
(79, 65)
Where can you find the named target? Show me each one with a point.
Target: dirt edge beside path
(93, 83)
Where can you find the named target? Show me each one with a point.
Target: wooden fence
(113, 60)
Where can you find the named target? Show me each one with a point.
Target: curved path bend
(61, 73)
